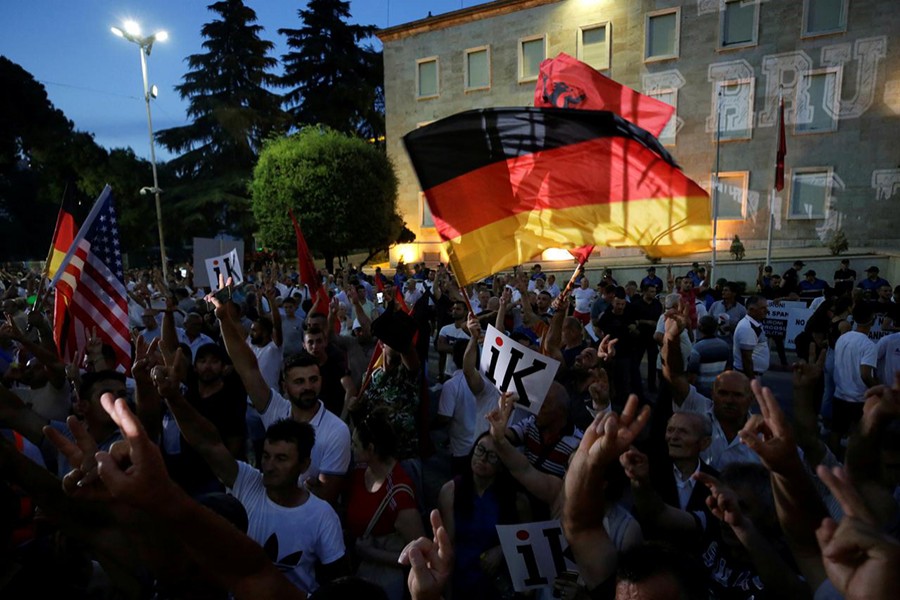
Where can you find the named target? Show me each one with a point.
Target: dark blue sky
(95, 77)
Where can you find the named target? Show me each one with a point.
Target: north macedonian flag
(505, 184)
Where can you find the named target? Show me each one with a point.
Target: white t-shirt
(200, 340)
(467, 411)
(452, 333)
(49, 402)
(852, 350)
(888, 358)
(270, 358)
(295, 538)
(746, 338)
(684, 339)
(331, 452)
(584, 298)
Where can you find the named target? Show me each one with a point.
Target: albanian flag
(566, 82)
(505, 184)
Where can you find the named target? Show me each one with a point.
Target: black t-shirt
(842, 287)
(334, 369)
(617, 326)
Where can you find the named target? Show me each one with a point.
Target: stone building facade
(836, 64)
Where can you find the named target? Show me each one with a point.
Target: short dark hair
(312, 329)
(295, 432)
(89, 380)
(266, 324)
(862, 313)
(650, 559)
(211, 349)
(301, 359)
(375, 428)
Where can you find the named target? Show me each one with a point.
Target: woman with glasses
(382, 512)
(472, 505)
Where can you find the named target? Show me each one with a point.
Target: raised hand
(607, 349)
(83, 480)
(882, 403)
(431, 562)
(769, 434)
(636, 465)
(723, 502)
(860, 560)
(808, 374)
(499, 417)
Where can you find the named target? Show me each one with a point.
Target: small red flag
(782, 149)
(307, 269)
(581, 254)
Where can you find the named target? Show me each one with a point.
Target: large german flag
(505, 184)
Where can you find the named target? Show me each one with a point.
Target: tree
(232, 112)
(342, 189)
(332, 79)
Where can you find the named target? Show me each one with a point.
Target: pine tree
(333, 80)
(233, 112)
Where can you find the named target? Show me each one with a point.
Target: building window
(428, 76)
(592, 45)
(732, 195)
(738, 23)
(810, 192)
(821, 17)
(817, 103)
(532, 51)
(427, 221)
(478, 68)
(662, 32)
(735, 110)
(670, 97)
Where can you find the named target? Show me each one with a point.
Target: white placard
(510, 366)
(536, 553)
(228, 265)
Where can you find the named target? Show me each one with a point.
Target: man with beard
(301, 384)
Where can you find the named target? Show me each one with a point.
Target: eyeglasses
(489, 455)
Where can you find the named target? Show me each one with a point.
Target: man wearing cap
(844, 278)
(812, 286)
(872, 281)
(651, 279)
(791, 278)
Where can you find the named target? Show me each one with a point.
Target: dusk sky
(94, 77)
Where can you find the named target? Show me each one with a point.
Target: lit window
(732, 196)
(662, 31)
(478, 68)
(822, 17)
(427, 77)
(815, 110)
(532, 51)
(670, 97)
(739, 23)
(810, 192)
(424, 210)
(593, 46)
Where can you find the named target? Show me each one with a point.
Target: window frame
(723, 10)
(804, 26)
(838, 74)
(655, 95)
(745, 192)
(437, 76)
(579, 42)
(658, 13)
(490, 76)
(520, 51)
(829, 179)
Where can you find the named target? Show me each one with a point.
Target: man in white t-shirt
(855, 359)
(300, 533)
(451, 334)
(466, 398)
(750, 348)
(302, 383)
(584, 299)
(266, 344)
(888, 358)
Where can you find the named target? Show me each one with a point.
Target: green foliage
(342, 189)
(737, 248)
(332, 79)
(836, 242)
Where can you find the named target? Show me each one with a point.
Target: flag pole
(715, 227)
(82, 231)
(565, 293)
(780, 151)
(771, 227)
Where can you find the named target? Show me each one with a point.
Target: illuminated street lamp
(131, 31)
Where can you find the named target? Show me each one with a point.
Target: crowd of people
(263, 443)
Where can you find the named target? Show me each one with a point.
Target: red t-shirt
(363, 503)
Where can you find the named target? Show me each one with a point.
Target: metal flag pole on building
(779, 174)
(715, 227)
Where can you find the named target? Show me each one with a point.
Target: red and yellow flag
(63, 236)
(505, 184)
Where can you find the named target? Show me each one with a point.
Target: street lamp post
(131, 31)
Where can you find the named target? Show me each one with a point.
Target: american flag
(92, 281)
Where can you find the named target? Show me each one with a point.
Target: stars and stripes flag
(91, 279)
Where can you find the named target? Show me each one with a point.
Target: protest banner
(510, 366)
(211, 247)
(227, 266)
(535, 553)
(786, 318)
